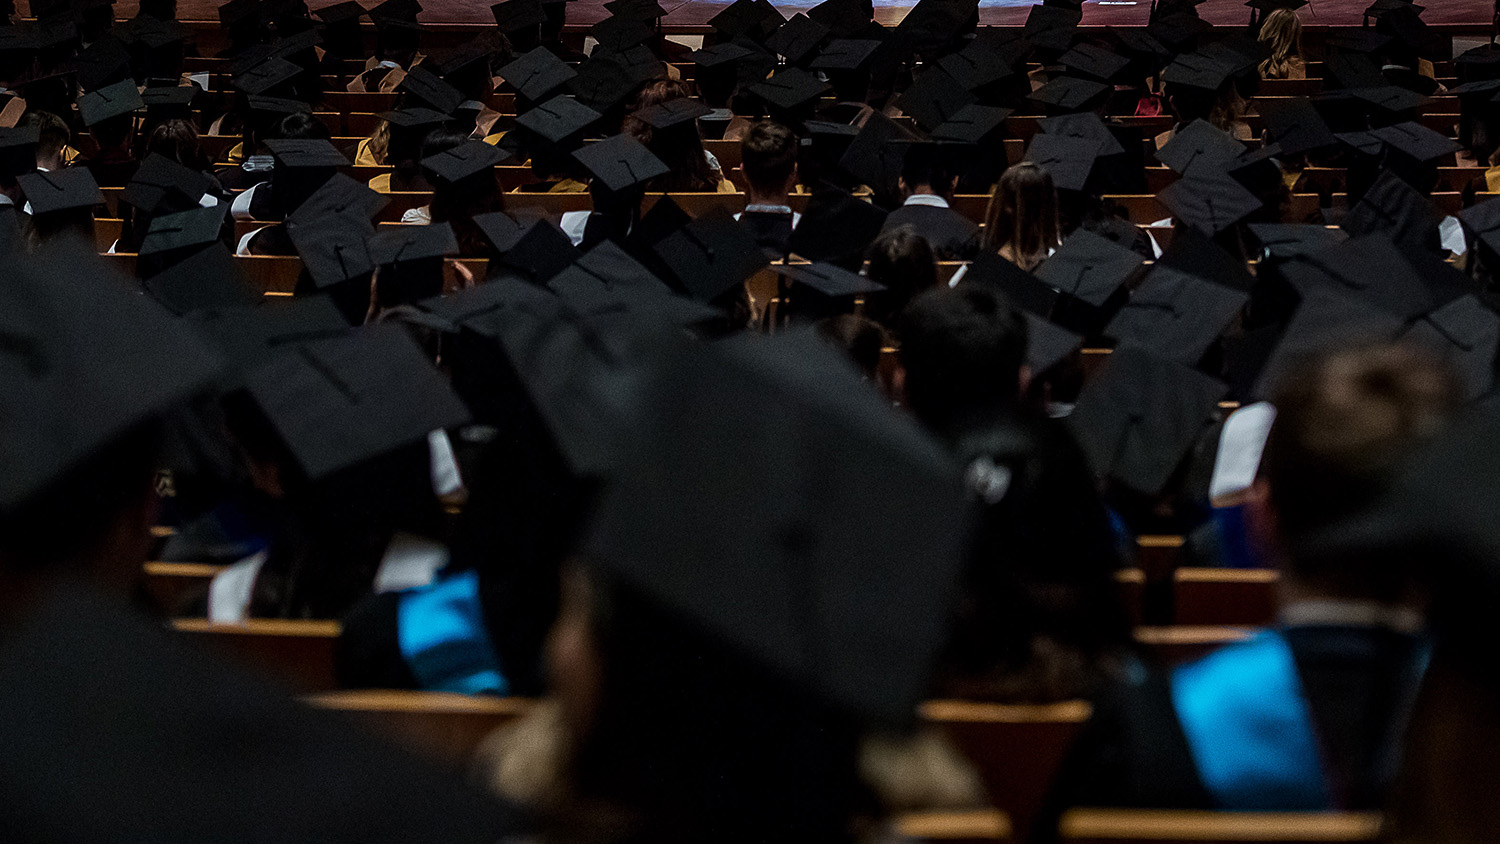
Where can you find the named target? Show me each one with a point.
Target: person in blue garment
(1309, 714)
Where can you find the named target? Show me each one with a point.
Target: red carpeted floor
(992, 12)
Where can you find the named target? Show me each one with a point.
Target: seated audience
(1021, 222)
(1281, 32)
(680, 146)
(768, 156)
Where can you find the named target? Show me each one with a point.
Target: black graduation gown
(952, 236)
(771, 231)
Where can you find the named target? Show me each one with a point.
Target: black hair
(962, 349)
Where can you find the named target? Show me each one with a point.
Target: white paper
(958, 275)
(410, 561)
(1240, 446)
(446, 479)
(229, 592)
(208, 200)
(199, 79)
(1453, 235)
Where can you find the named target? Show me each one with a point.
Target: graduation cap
(672, 113)
(1047, 344)
(470, 158)
(426, 86)
(500, 230)
(1067, 159)
(1395, 208)
(1177, 30)
(1090, 61)
(1466, 334)
(1416, 141)
(411, 261)
(395, 11)
(711, 255)
(1209, 202)
(473, 54)
(340, 12)
(1288, 240)
(1326, 319)
(167, 101)
(183, 230)
(113, 101)
(1175, 315)
(1197, 70)
(971, 124)
(836, 228)
(637, 62)
(1200, 147)
(306, 154)
(845, 54)
(558, 119)
(1089, 267)
(1295, 125)
(516, 15)
(621, 162)
(619, 34)
(206, 279)
(720, 55)
(265, 75)
(789, 88)
(537, 73)
(340, 401)
(1052, 27)
(334, 250)
(877, 151)
(846, 18)
(796, 39)
(933, 98)
(601, 84)
(1067, 93)
(606, 279)
(828, 281)
(1371, 268)
(541, 252)
(341, 196)
(754, 19)
(783, 528)
(1390, 99)
(18, 150)
(1483, 222)
(276, 105)
(1086, 126)
(976, 65)
(104, 62)
(86, 359)
(60, 190)
(1019, 287)
(1138, 416)
(240, 14)
(637, 9)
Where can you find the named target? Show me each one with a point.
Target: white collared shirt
(931, 199)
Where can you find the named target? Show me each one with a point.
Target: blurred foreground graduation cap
(1089, 267)
(1465, 333)
(1395, 208)
(1326, 319)
(1047, 344)
(203, 280)
(621, 162)
(1020, 288)
(85, 360)
(1140, 414)
(338, 402)
(1176, 316)
(536, 74)
(18, 150)
(797, 514)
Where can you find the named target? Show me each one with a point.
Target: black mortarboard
(936, 23)
(60, 190)
(1093, 62)
(847, 18)
(790, 88)
(1273, 5)
(501, 230)
(638, 9)
(1019, 287)
(277, 105)
(1067, 93)
(1175, 31)
(621, 162)
(1394, 207)
(601, 84)
(239, 13)
(306, 154)
(710, 256)
(933, 98)
(429, 88)
(536, 74)
(341, 196)
(1483, 221)
(473, 53)
(340, 12)
(334, 249)
(395, 11)
(1295, 125)
(515, 15)
(976, 65)
(1466, 333)
(971, 124)
(845, 54)
(470, 158)
(836, 228)
(1052, 27)
(402, 244)
(414, 117)
(1087, 126)
(1290, 240)
(1175, 315)
(18, 150)
(1089, 267)
(1376, 270)
(1390, 98)
(1417, 141)
(1326, 319)
(604, 272)
(160, 183)
(718, 55)
(1138, 416)
(542, 252)
(265, 75)
(85, 359)
(1196, 70)
(120, 98)
(164, 101)
(672, 113)
(340, 401)
(796, 39)
(1068, 160)
(751, 18)
(828, 281)
(785, 528)
(105, 62)
(1208, 202)
(559, 118)
(1047, 343)
(618, 34)
(206, 279)
(877, 152)
(637, 62)
(1200, 147)
(191, 229)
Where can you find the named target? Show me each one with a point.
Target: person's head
(963, 351)
(926, 168)
(458, 202)
(178, 140)
(1281, 32)
(114, 133)
(902, 261)
(1344, 422)
(768, 155)
(680, 147)
(52, 138)
(859, 338)
(301, 126)
(1022, 217)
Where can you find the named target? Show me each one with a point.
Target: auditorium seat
(1137, 826)
(297, 653)
(1178, 643)
(168, 584)
(444, 727)
(1224, 596)
(977, 827)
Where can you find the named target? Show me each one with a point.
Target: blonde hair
(1022, 215)
(1282, 32)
